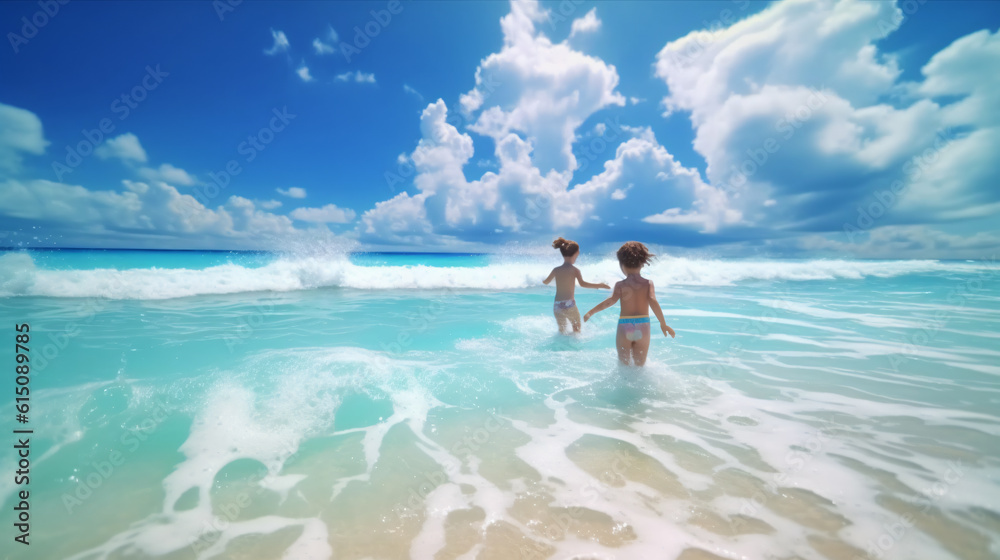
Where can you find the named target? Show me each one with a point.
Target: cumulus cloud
(167, 173)
(539, 89)
(154, 208)
(792, 113)
(587, 24)
(330, 213)
(644, 176)
(280, 43)
(268, 204)
(357, 76)
(292, 192)
(125, 147)
(401, 220)
(20, 132)
(530, 99)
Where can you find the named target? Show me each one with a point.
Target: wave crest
(20, 276)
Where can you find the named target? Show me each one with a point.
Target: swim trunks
(634, 327)
(563, 304)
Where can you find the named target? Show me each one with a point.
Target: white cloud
(280, 43)
(168, 174)
(819, 44)
(303, 73)
(531, 98)
(330, 213)
(268, 204)
(541, 90)
(587, 24)
(292, 192)
(358, 76)
(642, 178)
(155, 208)
(791, 115)
(125, 147)
(20, 132)
(322, 48)
(400, 220)
(409, 89)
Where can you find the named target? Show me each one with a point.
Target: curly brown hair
(634, 255)
(566, 247)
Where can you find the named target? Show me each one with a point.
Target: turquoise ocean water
(250, 405)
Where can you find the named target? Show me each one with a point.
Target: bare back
(634, 294)
(565, 277)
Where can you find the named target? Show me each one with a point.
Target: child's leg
(624, 347)
(563, 320)
(573, 314)
(640, 349)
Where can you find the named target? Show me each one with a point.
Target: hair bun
(566, 247)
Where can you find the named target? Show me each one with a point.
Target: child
(566, 276)
(637, 296)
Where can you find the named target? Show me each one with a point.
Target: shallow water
(204, 405)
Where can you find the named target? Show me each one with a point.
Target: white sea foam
(20, 276)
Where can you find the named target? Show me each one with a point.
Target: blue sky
(791, 128)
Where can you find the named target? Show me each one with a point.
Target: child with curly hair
(637, 297)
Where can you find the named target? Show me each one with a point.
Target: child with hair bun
(566, 276)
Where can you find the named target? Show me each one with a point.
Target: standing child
(637, 297)
(566, 276)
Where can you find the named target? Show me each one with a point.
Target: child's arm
(615, 296)
(549, 279)
(655, 305)
(585, 284)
